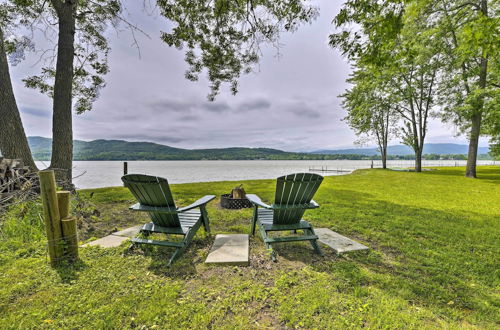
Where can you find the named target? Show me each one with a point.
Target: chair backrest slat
(153, 191)
(294, 190)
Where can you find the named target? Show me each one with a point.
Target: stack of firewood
(12, 175)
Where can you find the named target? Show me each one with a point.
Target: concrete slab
(129, 232)
(229, 250)
(337, 242)
(231, 239)
(107, 241)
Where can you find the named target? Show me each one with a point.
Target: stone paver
(338, 242)
(129, 232)
(229, 250)
(108, 241)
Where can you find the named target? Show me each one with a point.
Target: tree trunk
(384, 157)
(470, 170)
(13, 141)
(475, 131)
(62, 127)
(418, 160)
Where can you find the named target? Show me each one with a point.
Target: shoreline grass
(434, 257)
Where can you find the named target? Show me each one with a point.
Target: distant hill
(430, 148)
(123, 150)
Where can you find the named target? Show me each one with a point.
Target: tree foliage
(467, 33)
(91, 49)
(402, 62)
(224, 36)
(370, 112)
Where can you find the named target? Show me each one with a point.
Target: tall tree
(13, 141)
(62, 117)
(370, 111)
(402, 58)
(468, 31)
(80, 63)
(69, 81)
(412, 75)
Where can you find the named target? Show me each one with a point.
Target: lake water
(95, 174)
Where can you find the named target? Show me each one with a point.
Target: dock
(326, 169)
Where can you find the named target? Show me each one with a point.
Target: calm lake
(96, 174)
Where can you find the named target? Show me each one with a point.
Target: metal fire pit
(227, 202)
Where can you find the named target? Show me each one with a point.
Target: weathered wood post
(70, 237)
(68, 225)
(125, 168)
(51, 216)
(63, 203)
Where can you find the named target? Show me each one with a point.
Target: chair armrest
(255, 200)
(311, 205)
(146, 208)
(200, 202)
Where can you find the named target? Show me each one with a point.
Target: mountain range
(124, 150)
(430, 148)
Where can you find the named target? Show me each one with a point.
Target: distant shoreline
(458, 157)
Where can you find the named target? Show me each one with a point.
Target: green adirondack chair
(294, 193)
(155, 198)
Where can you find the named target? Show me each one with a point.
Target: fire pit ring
(227, 202)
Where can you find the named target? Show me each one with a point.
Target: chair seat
(187, 219)
(154, 197)
(266, 220)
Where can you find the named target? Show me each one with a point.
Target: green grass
(434, 262)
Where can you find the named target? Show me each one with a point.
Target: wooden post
(70, 237)
(125, 168)
(68, 226)
(63, 203)
(51, 215)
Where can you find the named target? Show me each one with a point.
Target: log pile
(17, 183)
(12, 174)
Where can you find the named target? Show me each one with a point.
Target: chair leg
(130, 248)
(254, 219)
(187, 240)
(269, 247)
(314, 243)
(206, 221)
(178, 252)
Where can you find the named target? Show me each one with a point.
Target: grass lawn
(434, 262)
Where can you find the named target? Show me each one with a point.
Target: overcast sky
(288, 103)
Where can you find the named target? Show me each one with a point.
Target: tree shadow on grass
(488, 174)
(69, 271)
(423, 255)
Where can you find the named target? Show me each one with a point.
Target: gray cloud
(171, 105)
(216, 106)
(254, 104)
(304, 110)
(189, 118)
(37, 112)
(149, 138)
